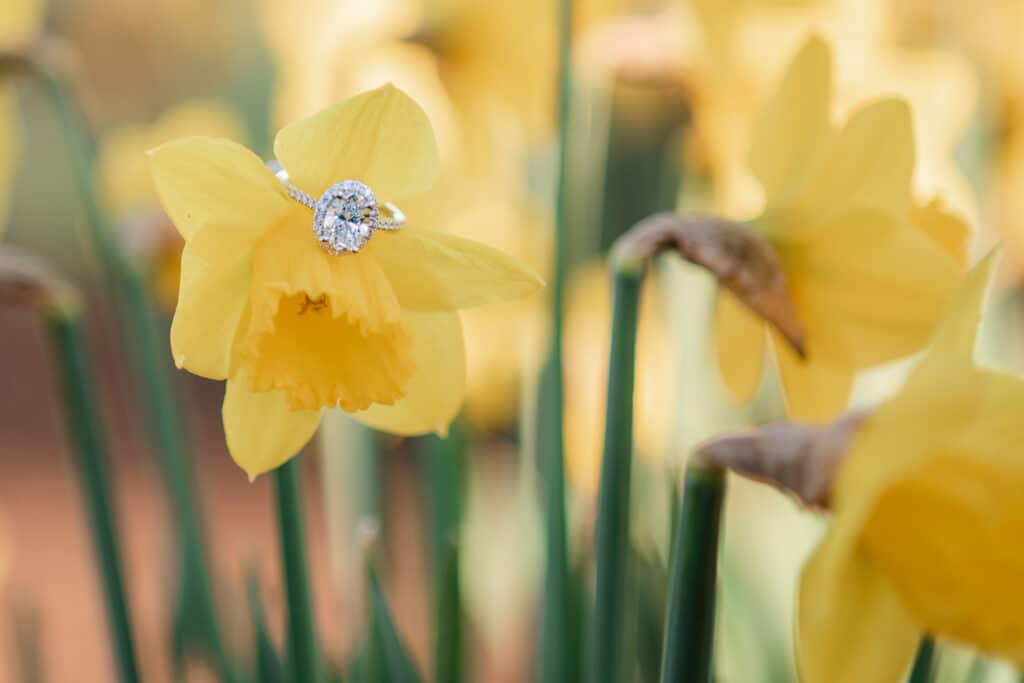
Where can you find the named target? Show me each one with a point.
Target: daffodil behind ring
(346, 214)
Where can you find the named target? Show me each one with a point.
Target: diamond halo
(345, 217)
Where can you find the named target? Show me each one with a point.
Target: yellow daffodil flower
(128, 189)
(294, 329)
(19, 23)
(927, 519)
(869, 270)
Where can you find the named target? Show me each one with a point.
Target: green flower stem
(90, 461)
(302, 646)
(558, 658)
(612, 533)
(445, 459)
(268, 666)
(140, 330)
(923, 668)
(690, 625)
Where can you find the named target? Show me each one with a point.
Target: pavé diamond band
(346, 214)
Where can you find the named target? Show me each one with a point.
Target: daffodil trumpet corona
(295, 328)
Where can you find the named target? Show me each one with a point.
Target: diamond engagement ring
(346, 214)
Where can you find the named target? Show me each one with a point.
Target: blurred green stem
(269, 668)
(140, 331)
(690, 626)
(558, 661)
(27, 639)
(391, 660)
(612, 533)
(302, 648)
(86, 432)
(445, 461)
(923, 669)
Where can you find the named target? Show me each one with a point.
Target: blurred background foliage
(664, 93)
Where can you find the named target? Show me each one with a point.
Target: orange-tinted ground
(46, 563)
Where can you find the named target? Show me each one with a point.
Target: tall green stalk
(86, 432)
(923, 668)
(612, 534)
(303, 660)
(558, 658)
(150, 355)
(445, 460)
(690, 624)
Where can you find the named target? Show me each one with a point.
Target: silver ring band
(347, 214)
(393, 222)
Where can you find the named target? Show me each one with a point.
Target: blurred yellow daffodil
(19, 23)
(928, 516)
(869, 270)
(295, 329)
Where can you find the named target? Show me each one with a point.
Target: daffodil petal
(795, 124)
(121, 163)
(851, 625)
(381, 138)
(262, 431)
(871, 288)
(431, 271)
(209, 182)
(945, 227)
(434, 395)
(870, 163)
(955, 339)
(739, 339)
(816, 389)
(213, 298)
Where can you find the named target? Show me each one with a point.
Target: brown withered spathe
(800, 459)
(742, 260)
(25, 282)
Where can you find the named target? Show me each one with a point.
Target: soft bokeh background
(663, 98)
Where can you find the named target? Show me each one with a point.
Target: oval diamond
(345, 217)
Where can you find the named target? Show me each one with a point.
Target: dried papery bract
(742, 261)
(800, 459)
(26, 283)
